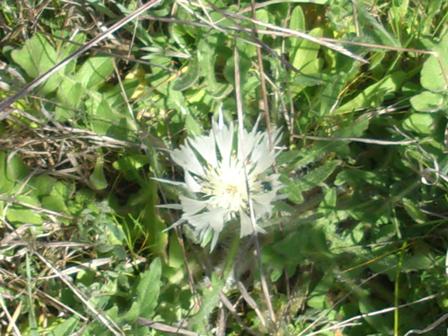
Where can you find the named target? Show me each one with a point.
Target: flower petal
(214, 218)
(206, 147)
(186, 158)
(191, 206)
(192, 184)
(224, 142)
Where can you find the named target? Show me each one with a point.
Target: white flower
(216, 167)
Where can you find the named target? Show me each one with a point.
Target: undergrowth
(357, 241)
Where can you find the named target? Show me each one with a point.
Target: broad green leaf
(153, 224)
(54, 202)
(36, 57)
(434, 74)
(106, 120)
(66, 327)
(21, 214)
(5, 183)
(294, 188)
(192, 125)
(428, 102)
(297, 22)
(42, 184)
(309, 242)
(305, 56)
(95, 71)
(381, 323)
(318, 298)
(420, 261)
(70, 93)
(423, 123)
(317, 176)
(374, 95)
(130, 164)
(15, 168)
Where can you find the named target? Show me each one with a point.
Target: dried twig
(239, 105)
(165, 327)
(354, 139)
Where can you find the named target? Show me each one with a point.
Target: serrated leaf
(148, 289)
(15, 168)
(210, 300)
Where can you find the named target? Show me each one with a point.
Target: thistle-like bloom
(225, 171)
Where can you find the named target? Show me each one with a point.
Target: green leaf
(97, 178)
(95, 71)
(210, 300)
(297, 22)
(434, 74)
(317, 176)
(15, 168)
(318, 298)
(6, 184)
(413, 210)
(305, 56)
(373, 28)
(382, 323)
(375, 94)
(54, 202)
(418, 262)
(36, 57)
(106, 120)
(189, 78)
(66, 327)
(207, 59)
(428, 102)
(69, 94)
(423, 123)
(148, 290)
(294, 188)
(22, 214)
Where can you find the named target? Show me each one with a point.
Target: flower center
(227, 187)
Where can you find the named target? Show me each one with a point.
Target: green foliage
(360, 224)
